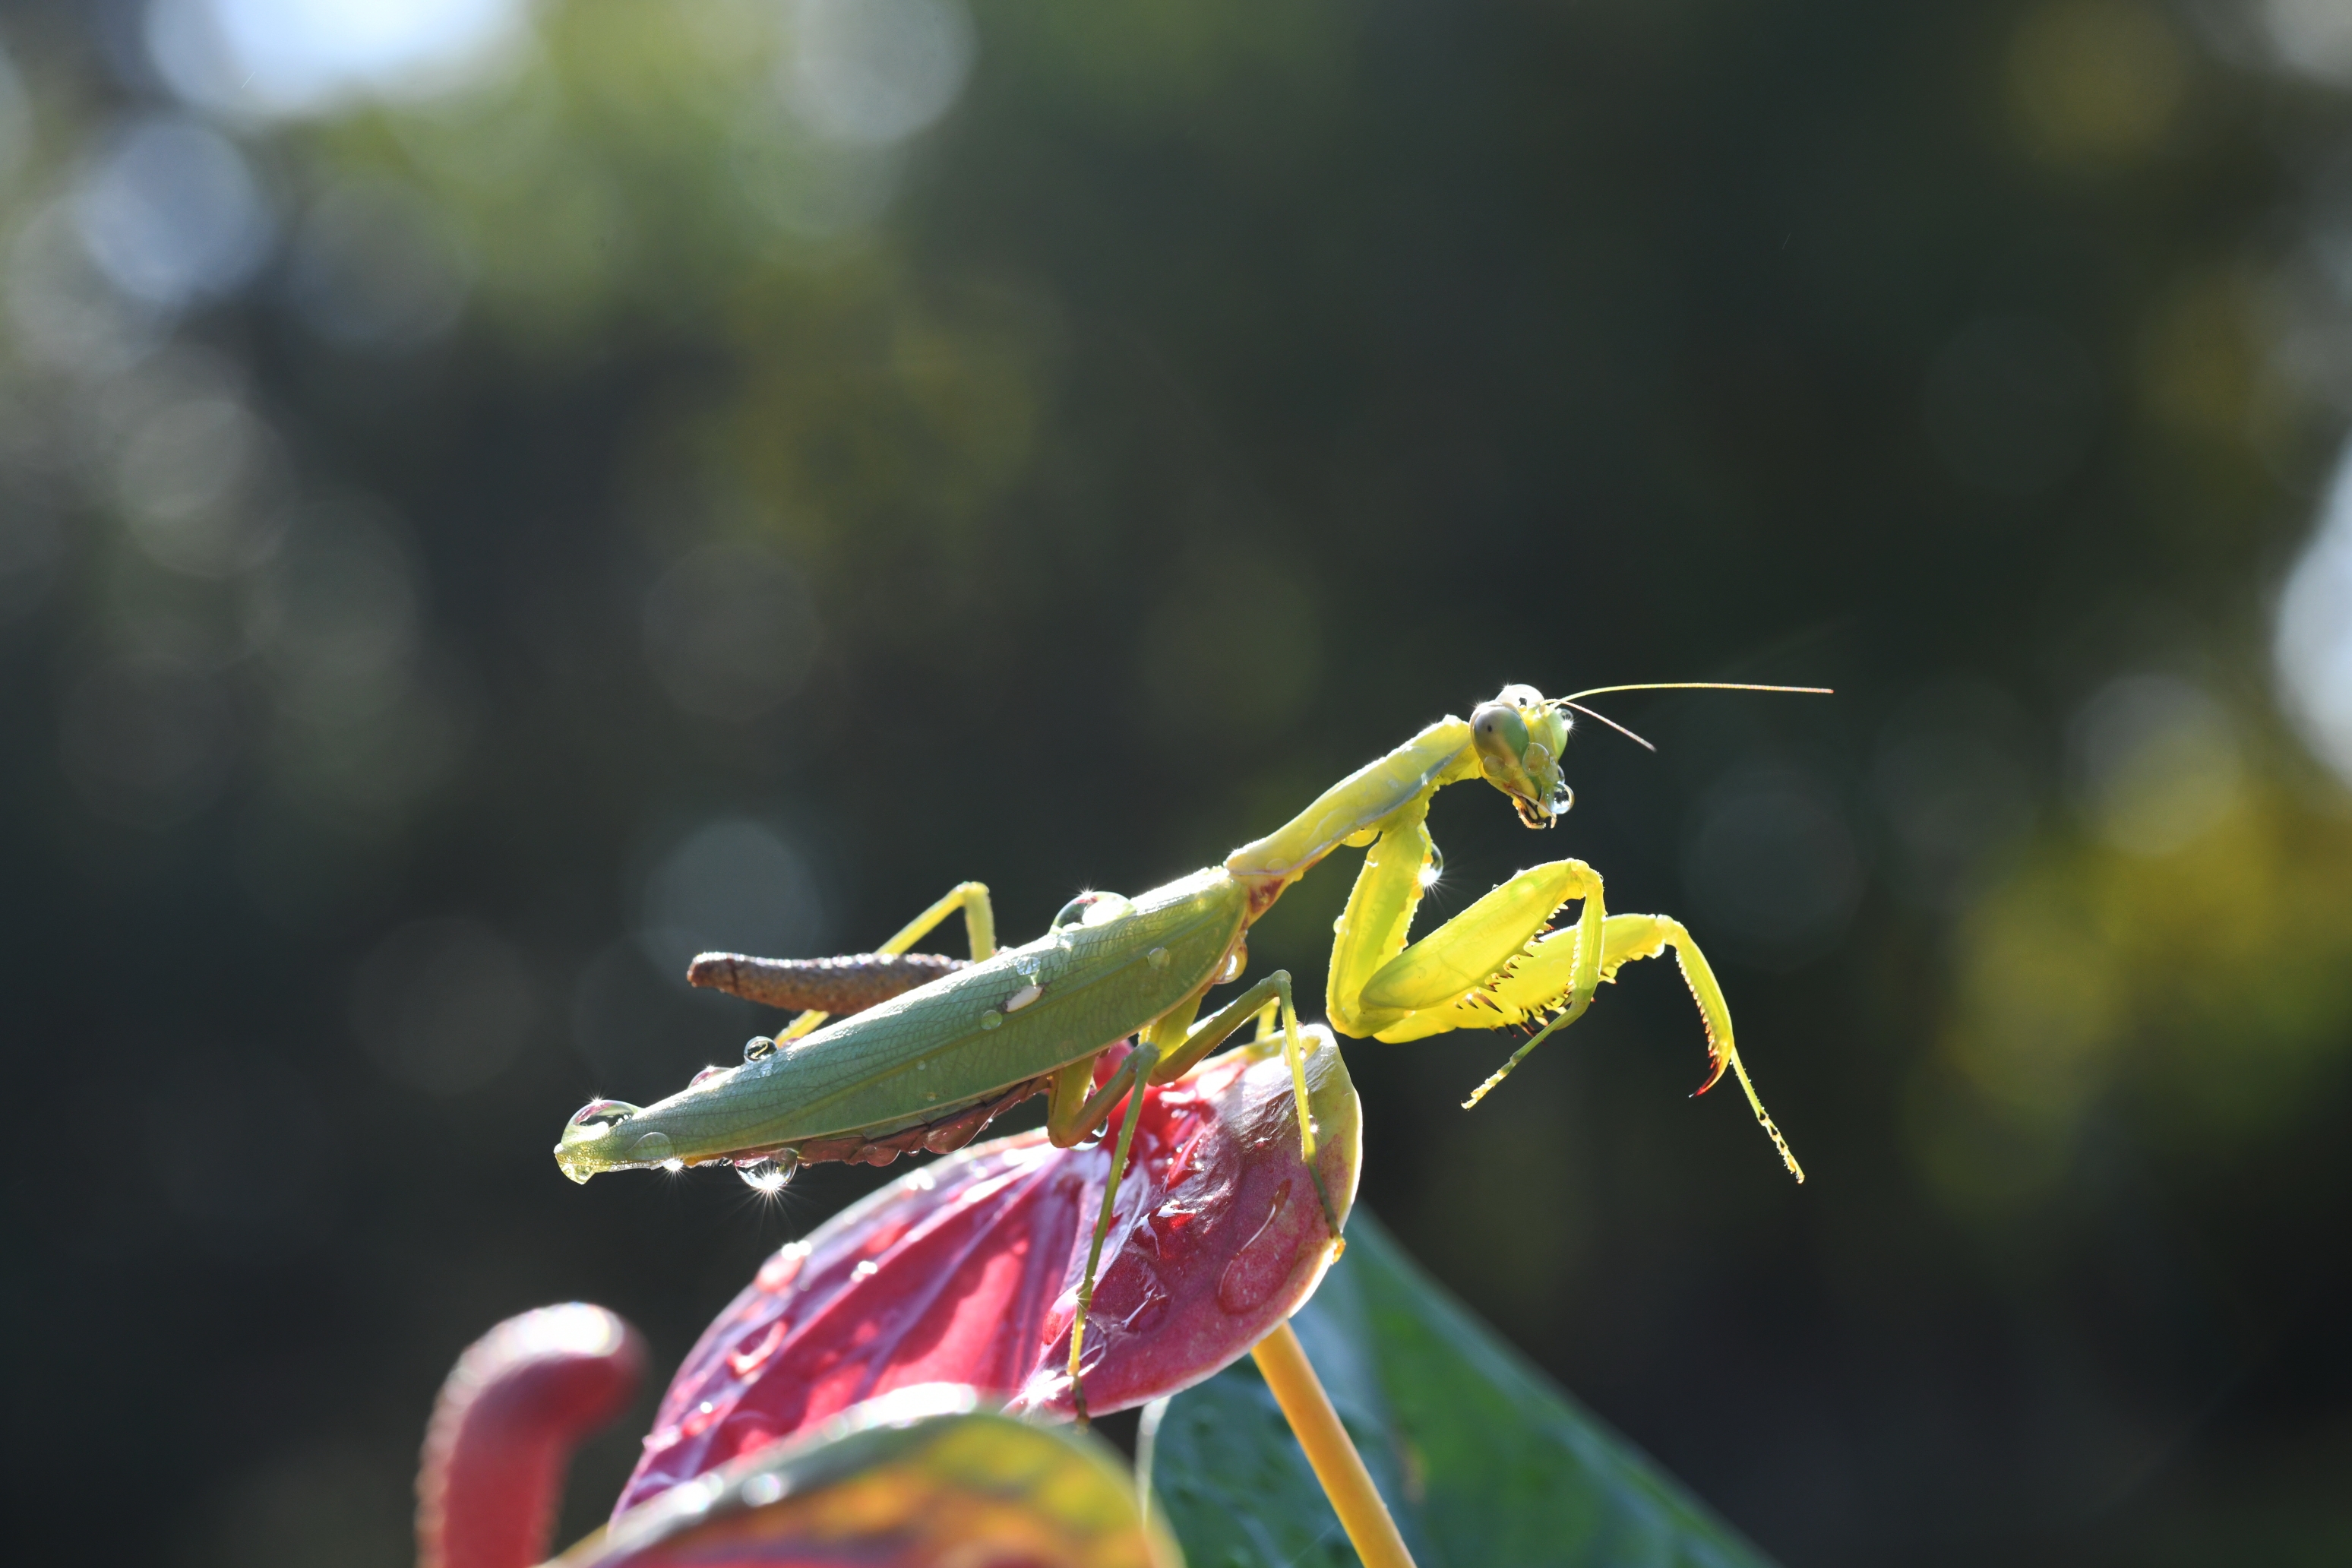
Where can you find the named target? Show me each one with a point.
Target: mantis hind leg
(1131, 1075)
(1163, 1054)
(1073, 1113)
(979, 928)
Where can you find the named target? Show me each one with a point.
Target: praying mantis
(930, 1066)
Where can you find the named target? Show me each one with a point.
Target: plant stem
(1283, 1363)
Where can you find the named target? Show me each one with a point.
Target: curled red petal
(519, 1401)
(966, 1271)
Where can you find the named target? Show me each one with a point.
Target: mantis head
(1519, 736)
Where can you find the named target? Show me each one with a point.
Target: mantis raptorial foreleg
(1628, 936)
(978, 927)
(1498, 962)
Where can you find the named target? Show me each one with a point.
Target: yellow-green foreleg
(1534, 987)
(1450, 978)
(1371, 930)
(1645, 936)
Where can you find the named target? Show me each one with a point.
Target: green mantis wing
(951, 1044)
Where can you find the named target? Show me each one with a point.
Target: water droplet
(784, 1267)
(673, 1166)
(763, 1489)
(1263, 1262)
(653, 1148)
(1157, 958)
(1152, 1305)
(1235, 962)
(1023, 998)
(769, 1175)
(744, 1362)
(598, 1111)
(758, 1047)
(992, 1019)
(706, 1075)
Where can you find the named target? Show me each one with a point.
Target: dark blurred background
(494, 498)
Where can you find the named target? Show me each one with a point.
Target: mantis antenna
(1673, 686)
(1696, 686)
(1612, 723)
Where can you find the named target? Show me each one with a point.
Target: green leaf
(924, 1477)
(1483, 1462)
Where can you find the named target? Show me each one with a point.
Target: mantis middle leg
(980, 930)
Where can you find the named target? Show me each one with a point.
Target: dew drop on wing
(653, 1148)
(758, 1047)
(1235, 962)
(706, 1075)
(992, 1019)
(770, 1174)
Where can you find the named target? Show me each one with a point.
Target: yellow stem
(1283, 1363)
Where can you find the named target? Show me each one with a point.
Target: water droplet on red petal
(1263, 1262)
(744, 1362)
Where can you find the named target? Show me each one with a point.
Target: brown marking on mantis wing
(837, 985)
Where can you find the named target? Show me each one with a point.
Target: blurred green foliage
(1478, 1460)
(460, 552)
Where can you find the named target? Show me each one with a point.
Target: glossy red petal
(518, 1403)
(966, 1271)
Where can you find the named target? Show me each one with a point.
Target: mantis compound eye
(1499, 732)
(1501, 737)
